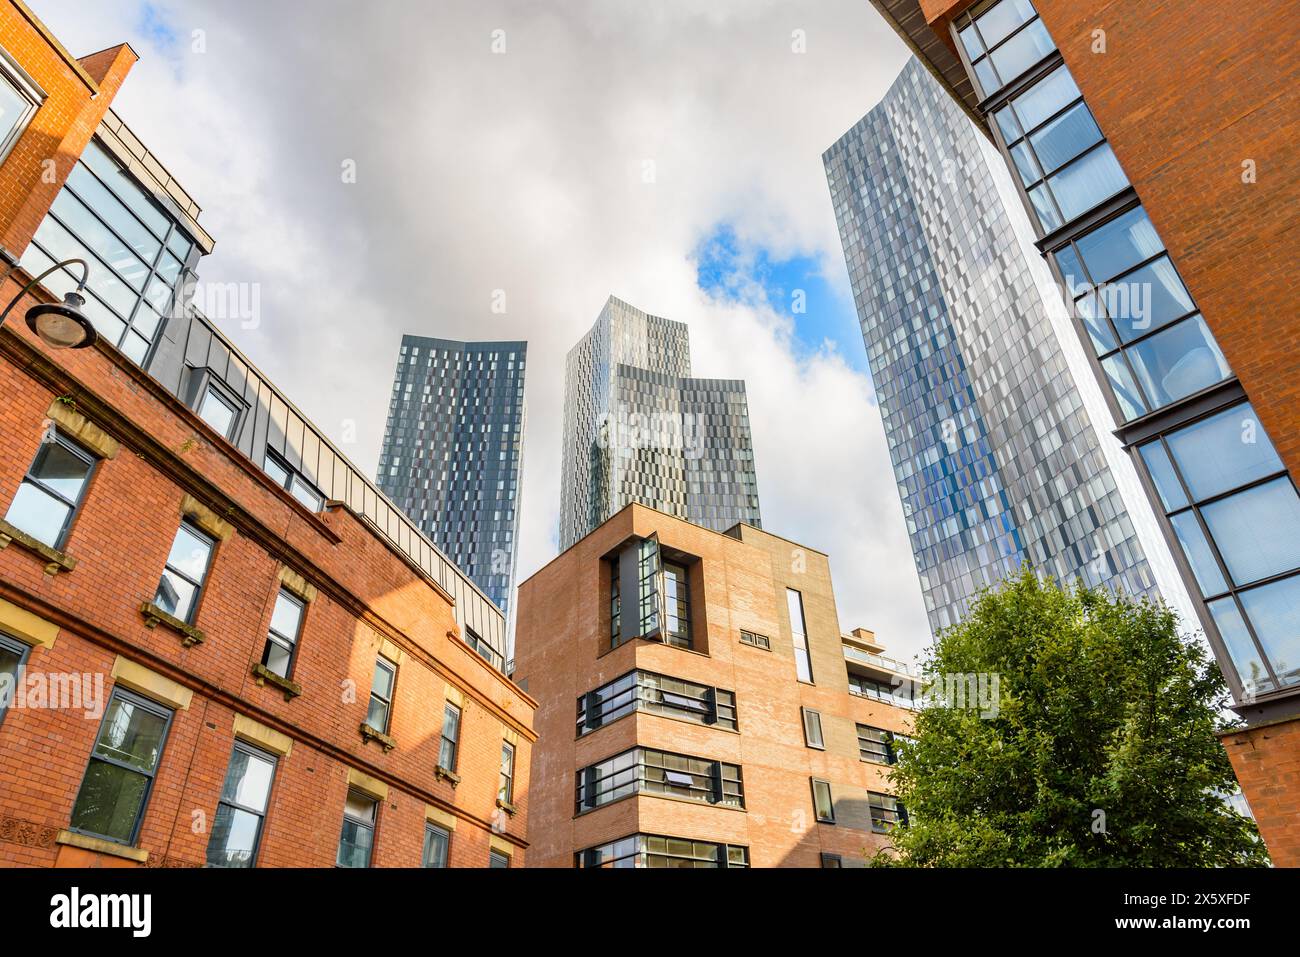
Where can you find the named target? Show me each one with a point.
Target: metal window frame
(23, 651)
(589, 793)
(830, 801)
(200, 586)
(391, 667)
(292, 475)
(648, 698)
(887, 743)
(285, 641)
(74, 507)
(139, 701)
(899, 812)
(800, 633)
(811, 716)
(506, 780)
(28, 89)
(260, 815)
(453, 740)
(431, 830)
(720, 852)
(212, 385)
(494, 855)
(372, 827)
(755, 640)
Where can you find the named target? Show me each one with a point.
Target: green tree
(1101, 753)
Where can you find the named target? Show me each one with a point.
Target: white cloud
(524, 172)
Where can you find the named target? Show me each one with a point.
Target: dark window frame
(285, 641)
(890, 817)
(432, 830)
(56, 437)
(24, 652)
(506, 778)
(292, 478)
(452, 741)
(260, 815)
(495, 856)
(754, 640)
(391, 668)
(158, 710)
(830, 801)
(703, 854)
(811, 718)
(372, 827)
(200, 586)
(593, 787)
(716, 706)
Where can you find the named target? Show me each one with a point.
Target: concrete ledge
(75, 425)
(291, 580)
(436, 815)
(153, 616)
(269, 739)
(511, 736)
(367, 785)
(454, 696)
(369, 733)
(501, 845)
(55, 560)
(21, 623)
(206, 519)
(262, 674)
(151, 684)
(99, 846)
(393, 653)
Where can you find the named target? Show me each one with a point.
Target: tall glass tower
(638, 428)
(994, 422)
(453, 451)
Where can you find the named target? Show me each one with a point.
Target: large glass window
(802, 658)
(358, 838)
(184, 574)
(657, 694)
(812, 729)
(135, 250)
(615, 606)
(649, 850)
(282, 637)
(51, 491)
(887, 812)
(1003, 41)
(662, 773)
(677, 606)
(1236, 514)
(648, 572)
(823, 803)
(18, 102)
(241, 812)
(1153, 346)
(119, 778)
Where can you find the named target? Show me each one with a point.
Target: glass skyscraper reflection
(453, 451)
(993, 422)
(639, 428)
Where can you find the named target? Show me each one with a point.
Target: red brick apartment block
(1200, 103)
(723, 721)
(378, 735)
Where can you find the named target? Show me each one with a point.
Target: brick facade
(84, 616)
(563, 651)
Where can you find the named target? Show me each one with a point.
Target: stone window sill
(446, 775)
(507, 807)
(101, 846)
(55, 560)
(369, 734)
(155, 616)
(265, 675)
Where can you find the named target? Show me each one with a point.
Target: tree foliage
(1102, 751)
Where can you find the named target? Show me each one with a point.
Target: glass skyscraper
(638, 428)
(993, 422)
(453, 451)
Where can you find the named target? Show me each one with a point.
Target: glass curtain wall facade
(996, 449)
(1229, 504)
(638, 428)
(453, 451)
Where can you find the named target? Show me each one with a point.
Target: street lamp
(60, 325)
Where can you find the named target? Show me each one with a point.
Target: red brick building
(1154, 145)
(699, 705)
(218, 642)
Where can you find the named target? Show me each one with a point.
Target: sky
(407, 169)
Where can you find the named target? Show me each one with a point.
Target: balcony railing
(878, 661)
(885, 697)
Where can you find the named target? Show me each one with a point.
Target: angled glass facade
(996, 449)
(453, 450)
(1228, 501)
(638, 428)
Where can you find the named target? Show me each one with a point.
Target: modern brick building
(219, 643)
(639, 428)
(1153, 143)
(699, 705)
(453, 452)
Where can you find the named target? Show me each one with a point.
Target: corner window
(381, 695)
(812, 729)
(662, 773)
(1002, 42)
(13, 656)
(219, 411)
(241, 812)
(802, 659)
(292, 481)
(51, 491)
(450, 744)
(506, 782)
(658, 851)
(184, 574)
(887, 812)
(120, 775)
(657, 694)
(437, 841)
(823, 806)
(356, 843)
(282, 637)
